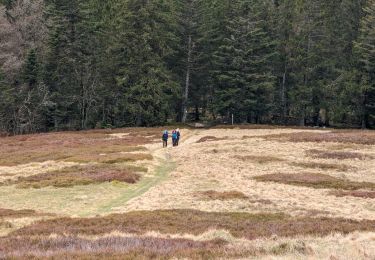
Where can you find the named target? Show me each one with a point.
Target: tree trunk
(187, 81)
(283, 94)
(197, 113)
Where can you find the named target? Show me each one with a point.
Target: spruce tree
(145, 40)
(365, 54)
(244, 79)
(31, 69)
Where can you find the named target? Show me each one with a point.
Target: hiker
(178, 136)
(174, 137)
(165, 138)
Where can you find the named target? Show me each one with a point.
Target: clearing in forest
(223, 193)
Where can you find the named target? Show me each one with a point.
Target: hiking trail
(165, 165)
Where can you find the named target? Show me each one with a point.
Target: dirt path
(165, 165)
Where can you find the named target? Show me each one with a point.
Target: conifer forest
(84, 64)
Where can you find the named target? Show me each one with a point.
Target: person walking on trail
(178, 136)
(174, 137)
(165, 138)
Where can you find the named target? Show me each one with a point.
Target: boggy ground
(243, 192)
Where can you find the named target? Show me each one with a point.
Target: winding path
(166, 165)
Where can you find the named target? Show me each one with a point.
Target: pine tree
(31, 69)
(189, 22)
(365, 54)
(244, 77)
(71, 67)
(145, 41)
(7, 106)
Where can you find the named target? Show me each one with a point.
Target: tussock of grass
(315, 180)
(284, 248)
(346, 137)
(5, 224)
(337, 155)
(322, 166)
(262, 201)
(259, 159)
(211, 139)
(226, 195)
(250, 226)
(81, 175)
(356, 193)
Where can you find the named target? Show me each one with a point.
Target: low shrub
(315, 180)
(322, 166)
(80, 175)
(211, 139)
(356, 193)
(347, 137)
(226, 195)
(250, 226)
(337, 155)
(259, 159)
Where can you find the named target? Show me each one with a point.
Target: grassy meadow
(226, 192)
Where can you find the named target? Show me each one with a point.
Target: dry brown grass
(259, 159)
(315, 180)
(226, 195)
(356, 193)
(211, 139)
(72, 146)
(337, 155)
(347, 137)
(250, 226)
(322, 166)
(81, 175)
(111, 158)
(5, 224)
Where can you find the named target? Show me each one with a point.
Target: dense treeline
(77, 64)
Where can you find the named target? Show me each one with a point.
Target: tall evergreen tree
(71, 71)
(243, 75)
(145, 40)
(365, 54)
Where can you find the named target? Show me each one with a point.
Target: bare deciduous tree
(21, 28)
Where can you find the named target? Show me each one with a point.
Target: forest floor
(244, 192)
